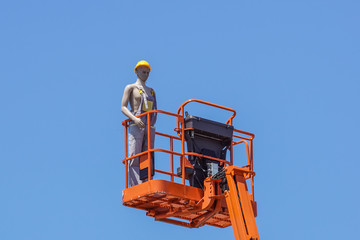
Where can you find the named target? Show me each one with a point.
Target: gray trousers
(137, 143)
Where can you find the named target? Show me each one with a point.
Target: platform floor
(159, 196)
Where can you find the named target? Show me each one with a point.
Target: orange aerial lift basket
(207, 188)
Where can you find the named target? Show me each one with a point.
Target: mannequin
(142, 99)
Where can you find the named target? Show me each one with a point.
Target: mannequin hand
(139, 123)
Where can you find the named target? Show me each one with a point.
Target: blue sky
(289, 68)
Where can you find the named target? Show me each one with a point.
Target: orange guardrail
(239, 137)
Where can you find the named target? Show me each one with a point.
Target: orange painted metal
(181, 108)
(164, 199)
(186, 163)
(183, 205)
(144, 163)
(241, 208)
(126, 155)
(149, 146)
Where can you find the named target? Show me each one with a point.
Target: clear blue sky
(289, 68)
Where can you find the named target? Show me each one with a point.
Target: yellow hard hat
(142, 63)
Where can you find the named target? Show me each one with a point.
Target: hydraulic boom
(241, 208)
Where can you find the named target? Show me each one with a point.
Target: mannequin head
(143, 73)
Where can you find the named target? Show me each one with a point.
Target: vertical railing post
(231, 152)
(126, 156)
(231, 148)
(182, 145)
(149, 145)
(251, 154)
(248, 157)
(172, 158)
(252, 168)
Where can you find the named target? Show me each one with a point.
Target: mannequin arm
(126, 111)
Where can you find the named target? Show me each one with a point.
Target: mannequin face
(143, 73)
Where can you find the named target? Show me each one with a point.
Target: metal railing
(239, 137)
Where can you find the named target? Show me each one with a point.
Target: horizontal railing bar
(175, 175)
(168, 135)
(167, 173)
(152, 111)
(152, 150)
(175, 153)
(205, 156)
(209, 104)
(245, 138)
(237, 142)
(243, 132)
